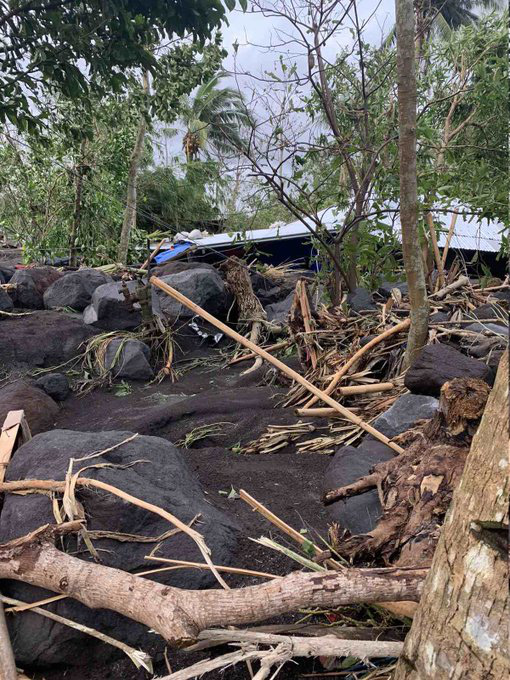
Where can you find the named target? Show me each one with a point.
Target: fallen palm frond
(277, 437)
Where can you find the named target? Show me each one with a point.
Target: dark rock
(487, 328)
(7, 271)
(131, 362)
(6, 304)
(179, 266)
(41, 339)
(502, 295)
(203, 286)
(404, 413)
(266, 290)
(279, 311)
(75, 289)
(360, 300)
(436, 364)
(40, 410)
(109, 309)
(31, 285)
(387, 286)
(366, 339)
(439, 317)
(158, 474)
(56, 385)
(359, 514)
(489, 311)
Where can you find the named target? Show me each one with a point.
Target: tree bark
(406, 73)
(460, 630)
(75, 227)
(179, 615)
(130, 210)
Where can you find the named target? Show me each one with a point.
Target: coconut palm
(214, 118)
(446, 15)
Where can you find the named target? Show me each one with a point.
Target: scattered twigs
(137, 656)
(252, 355)
(276, 362)
(198, 565)
(403, 325)
(277, 437)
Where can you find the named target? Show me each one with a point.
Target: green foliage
(77, 48)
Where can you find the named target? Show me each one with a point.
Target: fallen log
(179, 615)
(402, 326)
(461, 281)
(348, 415)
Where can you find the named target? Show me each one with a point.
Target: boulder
(436, 364)
(146, 467)
(31, 285)
(439, 317)
(203, 286)
(40, 410)
(7, 270)
(6, 304)
(74, 289)
(487, 328)
(404, 413)
(358, 514)
(41, 339)
(128, 359)
(178, 266)
(387, 286)
(360, 300)
(56, 385)
(279, 311)
(502, 295)
(489, 311)
(109, 309)
(266, 290)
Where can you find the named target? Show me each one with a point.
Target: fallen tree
(179, 615)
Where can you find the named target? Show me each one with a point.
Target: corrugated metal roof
(471, 232)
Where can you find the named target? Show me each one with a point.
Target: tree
(443, 16)
(75, 48)
(461, 626)
(214, 118)
(413, 263)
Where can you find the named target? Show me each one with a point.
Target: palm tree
(443, 16)
(214, 118)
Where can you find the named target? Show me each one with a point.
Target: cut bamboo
(307, 321)
(448, 239)
(348, 415)
(156, 250)
(402, 326)
(14, 424)
(253, 355)
(435, 248)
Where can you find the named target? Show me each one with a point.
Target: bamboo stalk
(307, 316)
(253, 355)
(279, 364)
(448, 239)
(435, 248)
(199, 565)
(403, 325)
(156, 250)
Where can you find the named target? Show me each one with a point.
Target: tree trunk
(130, 210)
(408, 183)
(75, 227)
(460, 630)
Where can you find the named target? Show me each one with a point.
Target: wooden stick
(252, 355)
(461, 281)
(7, 663)
(279, 364)
(307, 321)
(199, 565)
(14, 425)
(448, 239)
(435, 247)
(402, 326)
(156, 250)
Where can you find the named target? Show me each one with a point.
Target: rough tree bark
(130, 210)
(179, 615)
(460, 630)
(406, 74)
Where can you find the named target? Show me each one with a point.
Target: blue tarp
(173, 251)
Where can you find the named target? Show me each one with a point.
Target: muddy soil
(287, 482)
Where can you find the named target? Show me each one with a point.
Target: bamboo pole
(435, 247)
(253, 355)
(348, 415)
(448, 239)
(156, 250)
(402, 326)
